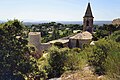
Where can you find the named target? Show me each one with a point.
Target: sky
(58, 10)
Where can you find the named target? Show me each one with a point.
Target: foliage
(112, 64)
(58, 44)
(99, 53)
(115, 36)
(55, 34)
(14, 62)
(104, 31)
(104, 56)
(61, 60)
(76, 50)
(51, 31)
(100, 34)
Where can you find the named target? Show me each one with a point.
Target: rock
(116, 21)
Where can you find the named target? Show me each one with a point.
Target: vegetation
(17, 63)
(59, 61)
(14, 62)
(115, 36)
(59, 44)
(104, 56)
(104, 31)
(53, 30)
(99, 53)
(112, 64)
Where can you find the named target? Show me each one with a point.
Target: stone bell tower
(88, 20)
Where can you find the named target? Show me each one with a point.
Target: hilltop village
(76, 41)
(55, 51)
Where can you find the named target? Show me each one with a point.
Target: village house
(78, 40)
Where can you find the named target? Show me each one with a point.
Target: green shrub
(99, 54)
(14, 60)
(115, 36)
(118, 39)
(58, 44)
(76, 50)
(61, 60)
(112, 64)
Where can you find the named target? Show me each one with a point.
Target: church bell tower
(88, 20)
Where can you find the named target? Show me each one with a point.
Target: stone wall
(45, 46)
(79, 40)
(34, 39)
(73, 43)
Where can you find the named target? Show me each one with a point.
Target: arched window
(87, 23)
(77, 43)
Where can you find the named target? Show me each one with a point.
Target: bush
(112, 64)
(115, 36)
(118, 39)
(58, 44)
(99, 54)
(14, 60)
(61, 60)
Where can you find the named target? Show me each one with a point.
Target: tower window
(87, 23)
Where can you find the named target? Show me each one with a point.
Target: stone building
(84, 38)
(35, 40)
(88, 20)
(80, 39)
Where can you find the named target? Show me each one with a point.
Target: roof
(59, 40)
(83, 36)
(34, 33)
(88, 12)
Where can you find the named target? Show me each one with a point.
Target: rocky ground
(85, 74)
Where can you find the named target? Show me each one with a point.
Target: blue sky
(58, 10)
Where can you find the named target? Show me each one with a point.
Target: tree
(112, 63)
(99, 54)
(115, 36)
(64, 59)
(104, 31)
(55, 34)
(14, 62)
